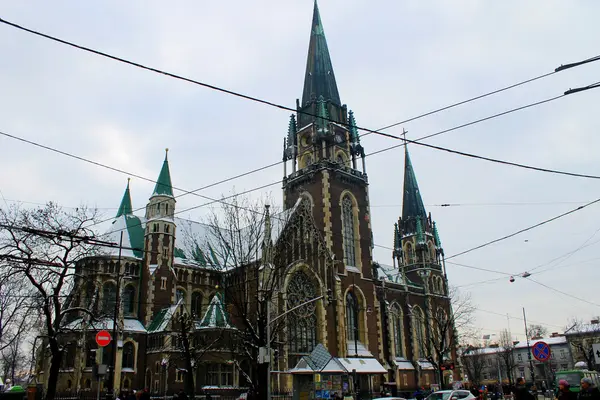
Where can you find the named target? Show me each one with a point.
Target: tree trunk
(55, 361)
(263, 381)
(440, 376)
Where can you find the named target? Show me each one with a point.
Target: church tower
(321, 161)
(418, 252)
(159, 244)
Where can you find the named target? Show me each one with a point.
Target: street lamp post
(531, 371)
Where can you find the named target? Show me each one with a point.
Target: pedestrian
(521, 392)
(564, 391)
(588, 391)
(145, 395)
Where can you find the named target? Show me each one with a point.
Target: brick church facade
(373, 322)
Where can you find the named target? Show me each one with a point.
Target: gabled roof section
(163, 184)
(160, 323)
(319, 79)
(412, 203)
(125, 208)
(215, 317)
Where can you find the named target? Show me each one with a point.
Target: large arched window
(352, 318)
(129, 300)
(348, 231)
(90, 354)
(419, 332)
(196, 304)
(302, 322)
(398, 330)
(410, 254)
(128, 355)
(109, 297)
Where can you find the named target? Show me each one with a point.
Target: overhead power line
(279, 106)
(564, 293)
(524, 229)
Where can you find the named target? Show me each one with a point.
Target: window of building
(167, 227)
(128, 355)
(398, 331)
(219, 375)
(180, 375)
(163, 283)
(109, 296)
(88, 384)
(68, 360)
(156, 386)
(419, 329)
(90, 355)
(154, 228)
(129, 300)
(410, 254)
(519, 357)
(348, 231)
(563, 355)
(167, 209)
(196, 304)
(352, 317)
(302, 322)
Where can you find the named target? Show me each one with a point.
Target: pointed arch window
(398, 331)
(419, 331)
(128, 355)
(196, 304)
(410, 254)
(348, 231)
(302, 322)
(352, 318)
(109, 297)
(129, 300)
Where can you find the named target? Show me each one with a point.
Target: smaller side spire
(125, 208)
(163, 184)
(354, 137)
(412, 203)
(322, 117)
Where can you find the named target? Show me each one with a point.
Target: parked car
(451, 395)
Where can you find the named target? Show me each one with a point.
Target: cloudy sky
(393, 60)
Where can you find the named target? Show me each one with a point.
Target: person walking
(521, 392)
(588, 391)
(564, 391)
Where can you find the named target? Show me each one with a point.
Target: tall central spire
(319, 79)
(412, 203)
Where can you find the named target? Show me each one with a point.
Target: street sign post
(596, 350)
(103, 338)
(541, 351)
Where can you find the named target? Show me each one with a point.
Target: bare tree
(41, 247)
(535, 331)
(505, 354)
(14, 357)
(14, 301)
(473, 360)
(445, 325)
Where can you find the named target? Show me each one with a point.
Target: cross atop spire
(319, 79)
(125, 208)
(412, 203)
(163, 184)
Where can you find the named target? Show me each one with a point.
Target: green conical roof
(319, 79)
(354, 136)
(125, 208)
(412, 203)
(216, 316)
(163, 184)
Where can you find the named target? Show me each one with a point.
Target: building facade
(396, 320)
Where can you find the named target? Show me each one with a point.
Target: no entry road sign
(541, 351)
(103, 338)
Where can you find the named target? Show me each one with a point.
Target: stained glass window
(302, 322)
(129, 300)
(352, 317)
(348, 233)
(398, 331)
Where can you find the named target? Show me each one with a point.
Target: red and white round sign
(103, 338)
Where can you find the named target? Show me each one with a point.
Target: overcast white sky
(393, 60)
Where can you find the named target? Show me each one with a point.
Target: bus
(575, 376)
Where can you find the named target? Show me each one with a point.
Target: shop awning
(334, 366)
(363, 365)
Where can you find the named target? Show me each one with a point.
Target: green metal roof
(135, 229)
(156, 323)
(125, 208)
(215, 317)
(319, 79)
(354, 136)
(163, 184)
(412, 203)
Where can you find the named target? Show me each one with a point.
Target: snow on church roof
(215, 317)
(199, 244)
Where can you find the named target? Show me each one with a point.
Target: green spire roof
(322, 116)
(125, 208)
(412, 203)
(354, 137)
(319, 79)
(163, 184)
(216, 316)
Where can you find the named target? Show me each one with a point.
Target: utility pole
(115, 332)
(528, 349)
